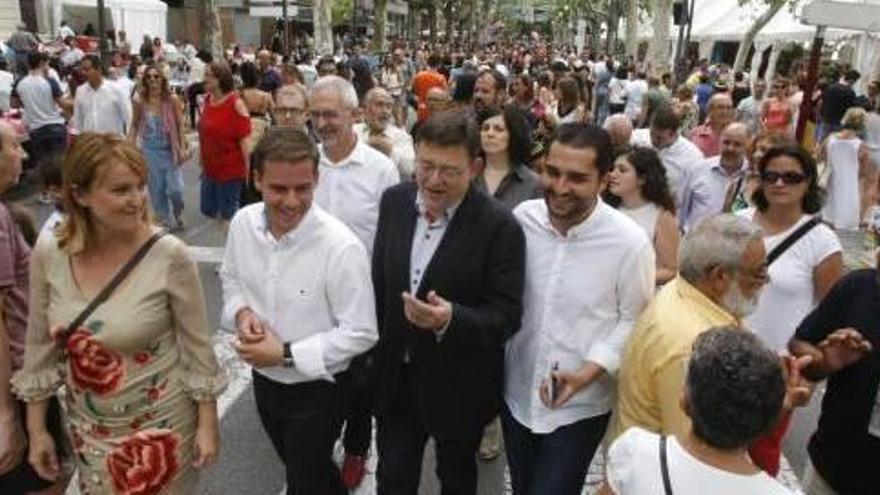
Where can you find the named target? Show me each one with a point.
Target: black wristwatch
(288, 356)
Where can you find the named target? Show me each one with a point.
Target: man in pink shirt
(719, 114)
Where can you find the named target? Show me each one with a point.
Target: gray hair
(617, 119)
(339, 86)
(718, 241)
(735, 387)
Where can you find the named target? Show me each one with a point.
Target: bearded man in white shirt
(296, 284)
(589, 274)
(353, 177)
(378, 131)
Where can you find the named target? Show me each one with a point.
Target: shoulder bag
(111, 286)
(664, 467)
(792, 239)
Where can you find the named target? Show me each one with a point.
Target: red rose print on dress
(93, 366)
(144, 463)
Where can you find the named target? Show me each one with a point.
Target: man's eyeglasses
(445, 172)
(289, 111)
(788, 178)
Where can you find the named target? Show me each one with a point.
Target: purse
(111, 286)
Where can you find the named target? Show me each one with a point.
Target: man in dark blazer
(448, 267)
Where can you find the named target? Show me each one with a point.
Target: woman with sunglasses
(787, 198)
(157, 125)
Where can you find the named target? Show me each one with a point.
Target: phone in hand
(553, 391)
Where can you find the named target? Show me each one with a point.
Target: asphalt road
(247, 464)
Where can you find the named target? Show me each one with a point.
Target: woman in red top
(223, 131)
(777, 112)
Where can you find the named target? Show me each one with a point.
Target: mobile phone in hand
(553, 388)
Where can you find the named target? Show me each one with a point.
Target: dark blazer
(479, 267)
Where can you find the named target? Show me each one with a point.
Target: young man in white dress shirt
(353, 177)
(378, 131)
(297, 287)
(99, 106)
(589, 274)
(680, 157)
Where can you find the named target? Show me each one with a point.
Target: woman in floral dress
(140, 374)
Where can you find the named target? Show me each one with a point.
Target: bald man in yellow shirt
(722, 269)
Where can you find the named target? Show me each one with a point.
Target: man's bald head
(437, 99)
(734, 140)
(620, 128)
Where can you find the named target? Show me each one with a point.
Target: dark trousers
(401, 440)
(358, 419)
(554, 463)
(45, 144)
(303, 421)
(191, 93)
(23, 478)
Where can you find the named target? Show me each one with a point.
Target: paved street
(247, 464)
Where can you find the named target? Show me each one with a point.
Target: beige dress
(133, 372)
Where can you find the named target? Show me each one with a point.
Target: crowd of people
(513, 248)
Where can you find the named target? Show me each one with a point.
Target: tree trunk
(659, 48)
(746, 45)
(632, 27)
(379, 22)
(322, 18)
(450, 24)
(432, 20)
(212, 36)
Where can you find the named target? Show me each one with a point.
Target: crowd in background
(507, 248)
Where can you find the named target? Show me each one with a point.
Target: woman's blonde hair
(84, 167)
(855, 118)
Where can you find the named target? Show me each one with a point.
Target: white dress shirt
(101, 110)
(680, 159)
(312, 287)
(583, 293)
(705, 193)
(351, 189)
(403, 153)
(426, 240)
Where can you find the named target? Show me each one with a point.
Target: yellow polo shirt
(652, 370)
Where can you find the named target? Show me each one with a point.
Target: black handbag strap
(791, 239)
(111, 286)
(664, 467)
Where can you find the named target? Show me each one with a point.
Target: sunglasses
(788, 178)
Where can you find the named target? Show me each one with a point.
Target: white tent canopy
(136, 17)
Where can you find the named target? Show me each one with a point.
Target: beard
(737, 303)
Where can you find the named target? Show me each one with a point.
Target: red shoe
(354, 467)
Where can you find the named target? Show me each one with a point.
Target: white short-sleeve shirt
(791, 293)
(633, 468)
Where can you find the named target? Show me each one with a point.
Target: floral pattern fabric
(134, 371)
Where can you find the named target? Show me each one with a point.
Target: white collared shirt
(583, 293)
(403, 153)
(312, 287)
(352, 189)
(426, 240)
(705, 193)
(101, 110)
(680, 159)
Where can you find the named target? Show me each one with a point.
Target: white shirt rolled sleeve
(311, 286)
